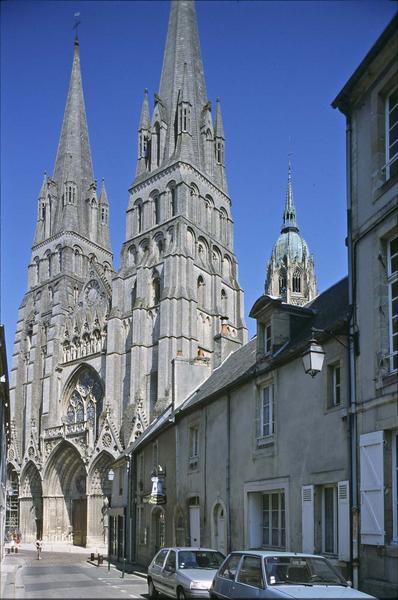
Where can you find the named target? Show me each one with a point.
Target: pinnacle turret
(218, 125)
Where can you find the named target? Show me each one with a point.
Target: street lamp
(111, 475)
(313, 356)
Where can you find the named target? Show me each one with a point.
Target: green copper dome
(290, 244)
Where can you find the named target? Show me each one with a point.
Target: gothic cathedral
(99, 354)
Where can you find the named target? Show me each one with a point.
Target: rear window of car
(251, 572)
(230, 567)
(159, 558)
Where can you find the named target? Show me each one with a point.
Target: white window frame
(394, 481)
(193, 444)
(265, 429)
(252, 505)
(334, 552)
(394, 158)
(392, 277)
(270, 493)
(267, 338)
(336, 386)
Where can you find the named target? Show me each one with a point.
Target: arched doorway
(219, 528)
(31, 504)
(158, 529)
(65, 499)
(99, 495)
(179, 527)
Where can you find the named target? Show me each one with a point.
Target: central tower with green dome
(291, 270)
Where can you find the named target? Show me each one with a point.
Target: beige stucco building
(369, 101)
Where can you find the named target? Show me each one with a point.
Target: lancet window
(84, 403)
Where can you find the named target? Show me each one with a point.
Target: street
(66, 575)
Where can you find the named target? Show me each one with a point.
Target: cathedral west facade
(100, 353)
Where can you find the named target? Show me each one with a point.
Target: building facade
(258, 456)
(98, 354)
(369, 101)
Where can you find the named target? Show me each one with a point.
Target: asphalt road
(70, 575)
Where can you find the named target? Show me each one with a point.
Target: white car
(263, 574)
(183, 572)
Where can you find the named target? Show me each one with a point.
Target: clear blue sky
(276, 67)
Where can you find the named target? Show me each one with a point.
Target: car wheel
(152, 592)
(181, 594)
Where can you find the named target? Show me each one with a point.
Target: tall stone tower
(291, 271)
(63, 440)
(177, 305)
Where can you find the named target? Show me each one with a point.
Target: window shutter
(307, 516)
(372, 488)
(343, 518)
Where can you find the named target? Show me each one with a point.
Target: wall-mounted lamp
(111, 475)
(313, 357)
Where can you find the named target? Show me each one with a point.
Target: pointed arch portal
(64, 497)
(31, 504)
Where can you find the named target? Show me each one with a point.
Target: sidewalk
(64, 547)
(10, 576)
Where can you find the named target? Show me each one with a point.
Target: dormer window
(267, 339)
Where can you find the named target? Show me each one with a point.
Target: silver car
(263, 574)
(183, 572)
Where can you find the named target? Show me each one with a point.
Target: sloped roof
(329, 313)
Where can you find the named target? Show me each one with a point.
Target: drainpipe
(353, 433)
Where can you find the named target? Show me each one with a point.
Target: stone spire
(289, 214)
(182, 26)
(73, 171)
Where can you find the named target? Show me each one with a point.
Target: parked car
(183, 572)
(263, 574)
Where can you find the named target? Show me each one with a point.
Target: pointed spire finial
(289, 214)
(76, 27)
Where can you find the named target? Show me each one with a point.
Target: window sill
(264, 442)
(384, 187)
(391, 378)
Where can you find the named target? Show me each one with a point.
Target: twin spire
(68, 200)
(181, 127)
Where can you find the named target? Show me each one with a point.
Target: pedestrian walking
(39, 548)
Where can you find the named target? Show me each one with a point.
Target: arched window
(201, 291)
(223, 226)
(156, 209)
(78, 261)
(296, 287)
(84, 401)
(282, 282)
(49, 265)
(139, 215)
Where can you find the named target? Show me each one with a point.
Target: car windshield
(296, 570)
(199, 559)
